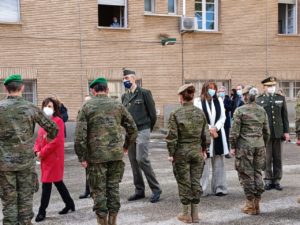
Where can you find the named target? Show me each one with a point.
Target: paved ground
(277, 207)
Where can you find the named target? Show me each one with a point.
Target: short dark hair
(188, 94)
(100, 87)
(55, 105)
(14, 86)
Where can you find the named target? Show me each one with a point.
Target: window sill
(161, 15)
(113, 28)
(10, 23)
(288, 35)
(208, 32)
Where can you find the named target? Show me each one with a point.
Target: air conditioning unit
(187, 24)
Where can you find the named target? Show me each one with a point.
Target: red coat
(52, 153)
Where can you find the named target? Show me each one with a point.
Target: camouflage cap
(247, 89)
(13, 77)
(184, 87)
(128, 72)
(98, 80)
(270, 81)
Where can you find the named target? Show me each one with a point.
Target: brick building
(59, 46)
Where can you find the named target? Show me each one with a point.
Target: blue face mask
(211, 92)
(127, 84)
(222, 94)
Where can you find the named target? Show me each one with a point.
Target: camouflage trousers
(249, 163)
(104, 179)
(188, 168)
(16, 192)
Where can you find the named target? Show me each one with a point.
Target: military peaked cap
(13, 77)
(269, 81)
(128, 72)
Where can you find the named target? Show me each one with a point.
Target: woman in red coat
(51, 155)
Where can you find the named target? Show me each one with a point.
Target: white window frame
(295, 17)
(199, 84)
(152, 7)
(122, 26)
(175, 7)
(216, 12)
(292, 88)
(26, 82)
(19, 15)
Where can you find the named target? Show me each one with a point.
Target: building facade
(60, 46)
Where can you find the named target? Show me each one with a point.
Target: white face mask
(271, 90)
(239, 92)
(48, 111)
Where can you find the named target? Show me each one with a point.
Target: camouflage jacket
(297, 121)
(17, 121)
(188, 130)
(98, 134)
(276, 109)
(250, 127)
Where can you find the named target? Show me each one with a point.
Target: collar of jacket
(188, 103)
(14, 97)
(101, 95)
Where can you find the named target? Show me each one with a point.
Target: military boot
(249, 207)
(102, 220)
(112, 218)
(185, 215)
(256, 203)
(195, 216)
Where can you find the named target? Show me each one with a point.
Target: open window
(112, 13)
(9, 11)
(287, 17)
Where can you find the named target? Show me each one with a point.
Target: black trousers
(46, 193)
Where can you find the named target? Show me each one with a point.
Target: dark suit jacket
(228, 107)
(276, 109)
(141, 106)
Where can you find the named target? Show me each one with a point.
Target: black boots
(40, 216)
(67, 209)
(87, 192)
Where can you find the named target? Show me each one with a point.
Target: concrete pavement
(278, 207)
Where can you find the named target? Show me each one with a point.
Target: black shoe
(155, 197)
(40, 217)
(268, 187)
(136, 197)
(66, 210)
(84, 195)
(277, 187)
(228, 156)
(220, 194)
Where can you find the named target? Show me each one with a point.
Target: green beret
(13, 77)
(270, 81)
(128, 72)
(98, 80)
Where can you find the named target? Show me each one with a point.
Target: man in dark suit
(228, 106)
(140, 104)
(275, 106)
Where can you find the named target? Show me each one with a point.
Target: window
(172, 6)
(206, 13)
(149, 6)
(29, 93)
(112, 13)
(287, 17)
(289, 88)
(9, 11)
(199, 83)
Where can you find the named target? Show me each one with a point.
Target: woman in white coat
(213, 108)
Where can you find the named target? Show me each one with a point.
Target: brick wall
(60, 42)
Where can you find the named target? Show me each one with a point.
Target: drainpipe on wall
(182, 50)
(183, 7)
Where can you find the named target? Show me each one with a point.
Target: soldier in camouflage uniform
(99, 147)
(297, 123)
(18, 179)
(249, 136)
(187, 143)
